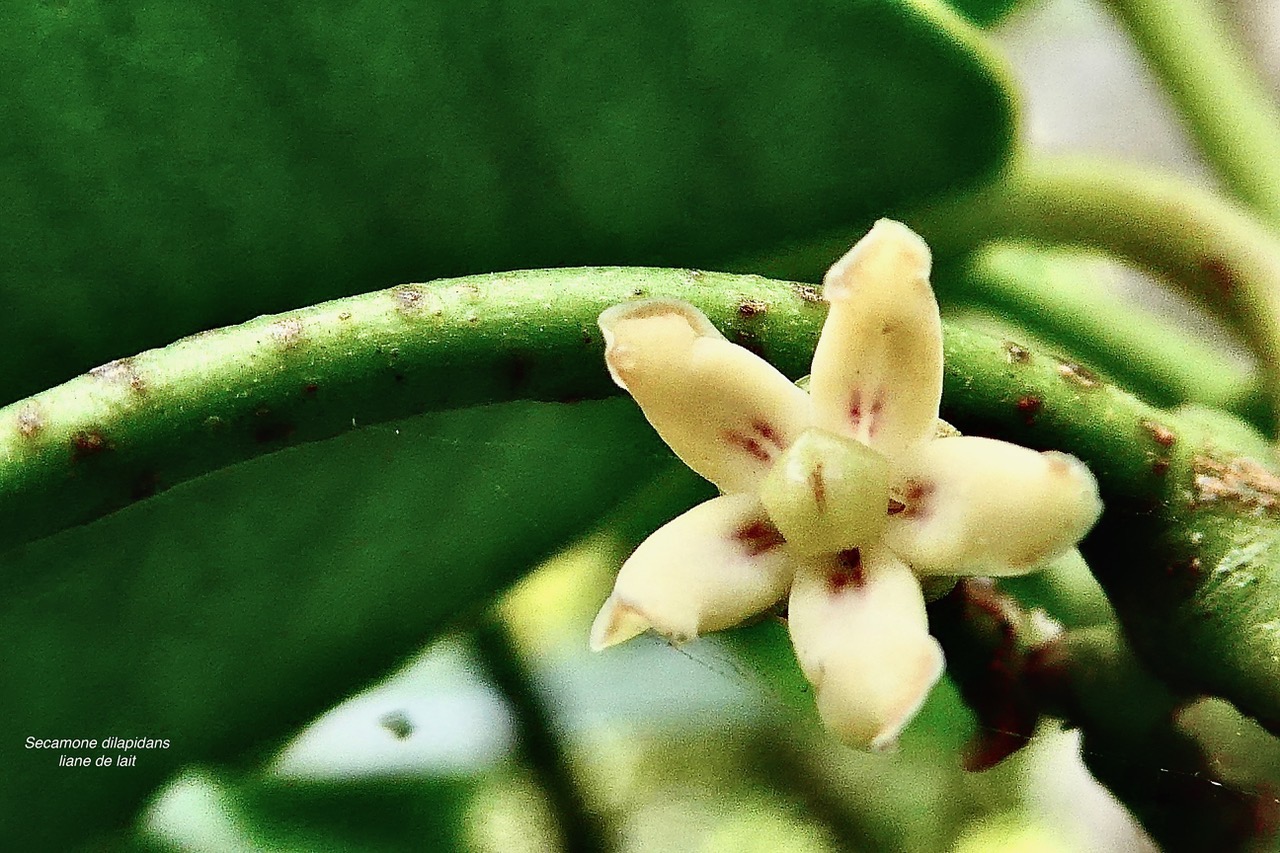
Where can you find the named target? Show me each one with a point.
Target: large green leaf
(166, 167)
(986, 12)
(225, 613)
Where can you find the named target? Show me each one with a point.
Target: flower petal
(859, 628)
(986, 507)
(706, 570)
(724, 410)
(877, 371)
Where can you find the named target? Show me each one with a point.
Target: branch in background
(1011, 674)
(1067, 299)
(582, 829)
(1212, 250)
(1218, 94)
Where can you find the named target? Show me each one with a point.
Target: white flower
(843, 495)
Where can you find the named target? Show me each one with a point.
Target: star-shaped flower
(846, 495)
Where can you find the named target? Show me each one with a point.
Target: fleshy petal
(859, 628)
(724, 410)
(706, 570)
(877, 371)
(980, 506)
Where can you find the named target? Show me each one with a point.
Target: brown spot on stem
(1240, 481)
(807, 293)
(1160, 467)
(1220, 275)
(408, 298)
(896, 507)
(1029, 406)
(287, 332)
(1016, 353)
(88, 443)
(818, 483)
(30, 421)
(749, 308)
(1077, 375)
(848, 571)
(1162, 434)
(758, 536)
(311, 389)
(122, 372)
(414, 299)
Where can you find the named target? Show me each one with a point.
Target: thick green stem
(1188, 549)
(1215, 252)
(1065, 298)
(1219, 95)
(138, 425)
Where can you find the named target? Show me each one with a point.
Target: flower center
(827, 493)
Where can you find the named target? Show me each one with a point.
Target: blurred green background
(169, 168)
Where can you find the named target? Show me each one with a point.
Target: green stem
(1063, 297)
(124, 431)
(1215, 252)
(1201, 608)
(582, 830)
(1219, 95)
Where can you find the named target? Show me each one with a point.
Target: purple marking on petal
(767, 432)
(916, 497)
(749, 445)
(855, 408)
(818, 483)
(758, 536)
(877, 408)
(848, 572)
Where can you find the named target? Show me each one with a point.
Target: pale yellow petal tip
(1076, 478)
(616, 623)
(633, 330)
(890, 253)
(872, 720)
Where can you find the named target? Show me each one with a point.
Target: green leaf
(225, 613)
(984, 13)
(168, 167)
